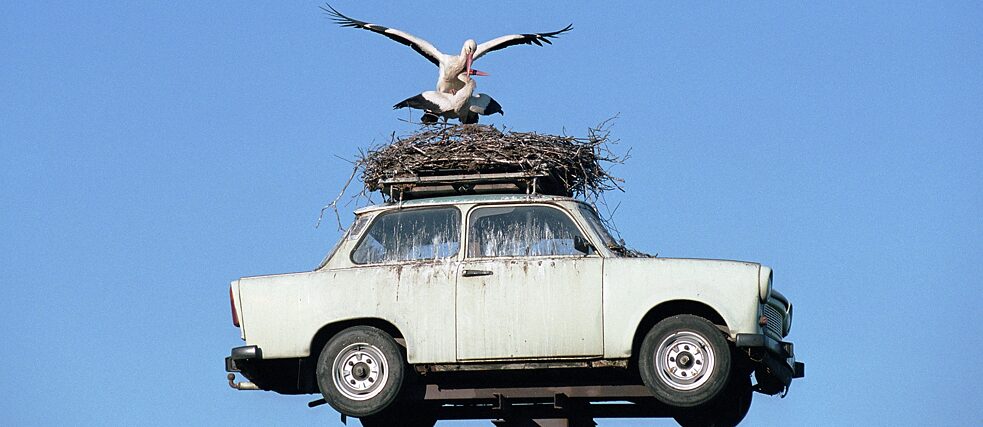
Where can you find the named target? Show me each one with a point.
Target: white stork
(462, 105)
(450, 65)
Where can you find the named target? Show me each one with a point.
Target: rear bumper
(776, 366)
(239, 354)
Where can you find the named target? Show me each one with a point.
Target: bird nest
(571, 166)
(564, 165)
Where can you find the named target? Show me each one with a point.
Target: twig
(334, 203)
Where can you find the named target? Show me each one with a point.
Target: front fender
(633, 286)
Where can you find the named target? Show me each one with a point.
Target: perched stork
(462, 105)
(451, 66)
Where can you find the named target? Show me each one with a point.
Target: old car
(509, 283)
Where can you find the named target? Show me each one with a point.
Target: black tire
(727, 410)
(736, 402)
(360, 371)
(685, 361)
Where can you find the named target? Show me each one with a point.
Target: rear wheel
(685, 361)
(360, 371)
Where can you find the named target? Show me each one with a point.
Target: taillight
(232, 301)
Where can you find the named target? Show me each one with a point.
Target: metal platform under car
(575, 406)
(527, 403)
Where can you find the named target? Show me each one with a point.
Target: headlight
(764, 283)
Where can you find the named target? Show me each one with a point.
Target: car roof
(467, 199)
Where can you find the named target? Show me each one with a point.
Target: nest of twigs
(579, 165)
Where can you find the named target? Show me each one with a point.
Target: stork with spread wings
(451, 66)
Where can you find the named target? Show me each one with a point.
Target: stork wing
(422, 46)
(423, 102)
(511, 40)
(485, 105)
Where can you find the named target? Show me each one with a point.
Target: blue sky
(152, 152)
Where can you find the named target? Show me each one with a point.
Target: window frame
(466, 230)
(365, 233)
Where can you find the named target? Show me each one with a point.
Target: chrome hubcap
(684, 360)
(360, 371)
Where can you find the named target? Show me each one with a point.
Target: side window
(356, 229)
(521, 231)
(416, 234)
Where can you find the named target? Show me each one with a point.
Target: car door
(523, 290)
(404, 271)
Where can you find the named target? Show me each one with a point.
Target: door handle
(473, 273)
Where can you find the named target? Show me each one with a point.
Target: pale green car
(434, 290)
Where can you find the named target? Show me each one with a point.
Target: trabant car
(507, 283)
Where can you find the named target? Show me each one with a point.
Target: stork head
(468, 53)
(469, 47)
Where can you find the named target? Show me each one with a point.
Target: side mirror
(582, 245)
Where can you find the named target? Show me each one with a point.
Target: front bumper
(249, 352)
(776, 366)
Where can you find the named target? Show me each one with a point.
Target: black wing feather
(535, 38)
(348, 22)
(418, 103)
(493, 107)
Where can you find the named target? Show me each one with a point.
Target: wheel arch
(345, 403)
(667, 309)
(308, 375)
(324, 334)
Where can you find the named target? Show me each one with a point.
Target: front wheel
(685, 361)
(360, 371)
(727, 410)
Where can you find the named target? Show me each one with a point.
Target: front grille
(776, 319)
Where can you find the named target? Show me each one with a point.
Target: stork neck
(462, 96)
(469, 87)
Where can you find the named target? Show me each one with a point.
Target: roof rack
(416, 187)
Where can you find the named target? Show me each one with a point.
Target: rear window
(410, 235)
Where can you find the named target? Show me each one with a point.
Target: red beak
(473, 72)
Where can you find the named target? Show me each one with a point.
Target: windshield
(595, 224)
(350, 233)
